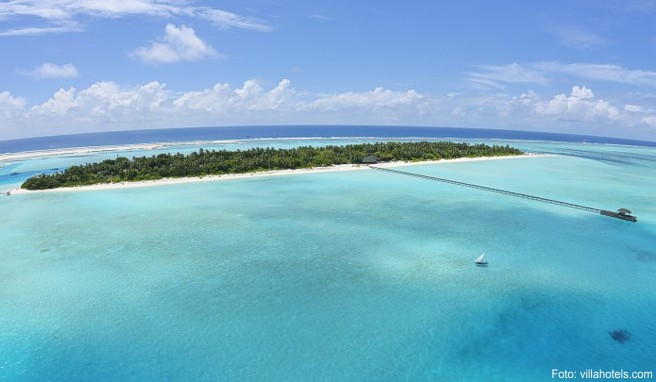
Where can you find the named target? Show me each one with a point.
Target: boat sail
(481, 259)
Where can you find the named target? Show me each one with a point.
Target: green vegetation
(205, 162)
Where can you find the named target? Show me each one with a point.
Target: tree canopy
(204, 162)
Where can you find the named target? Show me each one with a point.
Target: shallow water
(336, 276)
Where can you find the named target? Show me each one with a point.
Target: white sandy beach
(209, 178)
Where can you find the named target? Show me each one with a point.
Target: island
(211, 162)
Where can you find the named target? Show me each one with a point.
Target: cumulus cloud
(63, 16)
(177, 44)
(60, 103)
(522, 101)
(102, 102)
(222, 99)
(10, 106)
(579, 104)
(580, 108)
(581, 92)
(377, 99)
(49, 70)
(109, 106)
(6, 99)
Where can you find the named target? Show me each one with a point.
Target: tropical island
(206, 162)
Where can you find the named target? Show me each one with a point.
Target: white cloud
(12, 116)
(49, 70)
(496, 76)
(580, 39)
(61, 102)
(276, 98)
(321, 17)
(649, 121)
(222, 99)
(102, 102)
(544, 73)
(108, 106)
(579, 93)
(62, 16)
(633, 108)
(62, 26)
(215, 99)
(459, 111)
(580, 104)
(224, 20)
(7, 100)
(610, 73)
(10, 107)
(378, 99)
(178, 44)
(523, 101)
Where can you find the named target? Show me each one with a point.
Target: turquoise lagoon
(351, 276)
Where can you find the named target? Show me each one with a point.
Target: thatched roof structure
(370, 159)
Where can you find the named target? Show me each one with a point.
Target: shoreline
(76, 151)
(261, 174)
(124, 148)
(152, 146)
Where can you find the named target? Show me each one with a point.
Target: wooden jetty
(622, 213)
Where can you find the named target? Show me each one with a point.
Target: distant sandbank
(249, 175)
(76, 151)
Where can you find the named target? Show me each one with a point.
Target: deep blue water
(242, 132)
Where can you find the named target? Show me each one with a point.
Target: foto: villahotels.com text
(601, 374)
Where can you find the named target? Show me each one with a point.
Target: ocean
(204, 134)
(346, 276)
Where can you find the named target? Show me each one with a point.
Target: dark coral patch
(620, 335)
(645, 256)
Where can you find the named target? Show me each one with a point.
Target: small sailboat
(480, 261)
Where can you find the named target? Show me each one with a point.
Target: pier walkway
(621, 214)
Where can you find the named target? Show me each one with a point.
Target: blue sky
(581, 67)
